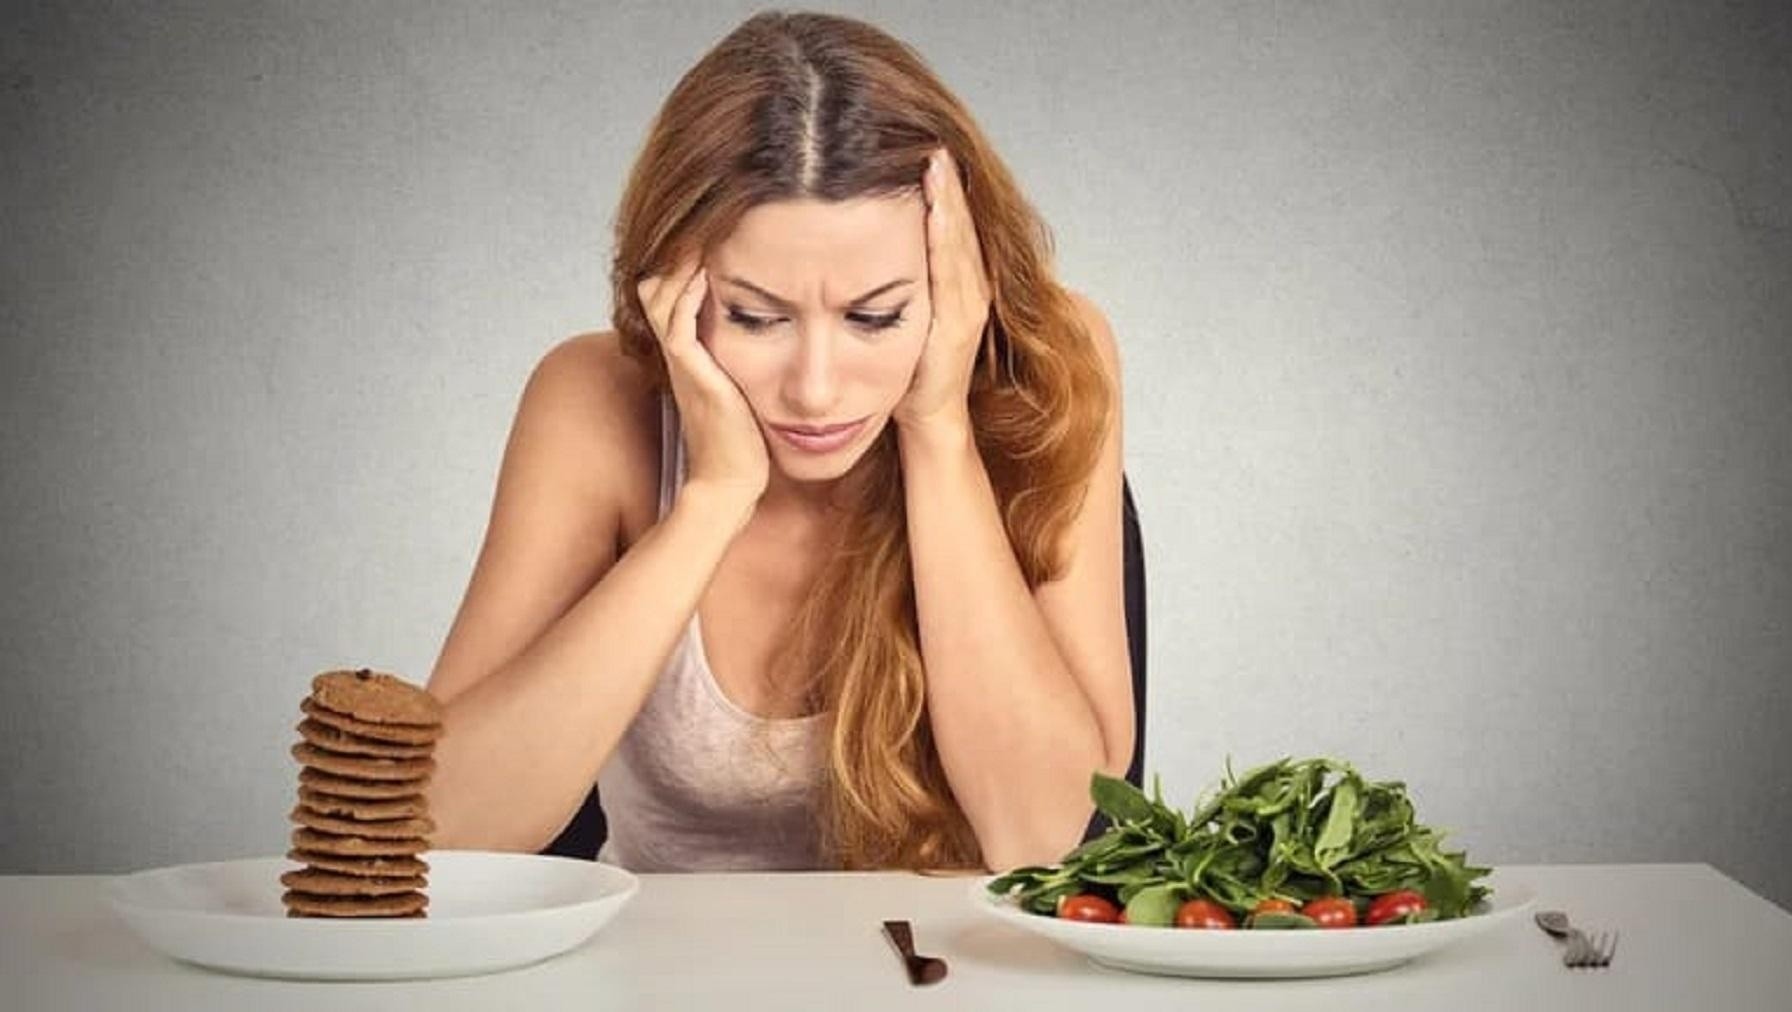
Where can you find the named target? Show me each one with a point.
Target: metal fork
(1582, 951)
(1591, 951)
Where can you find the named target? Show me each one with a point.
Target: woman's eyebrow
(783, 303)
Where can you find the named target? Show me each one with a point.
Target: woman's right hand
(726, 448)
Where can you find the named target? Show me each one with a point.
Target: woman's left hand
(940, 391)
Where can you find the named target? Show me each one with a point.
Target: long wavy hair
(804, 105)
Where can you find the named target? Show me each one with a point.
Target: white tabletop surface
(1692, 939)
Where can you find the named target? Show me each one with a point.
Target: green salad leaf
(1290, 829)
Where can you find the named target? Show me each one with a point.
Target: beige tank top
(698, 783)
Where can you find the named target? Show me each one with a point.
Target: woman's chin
(815, 468)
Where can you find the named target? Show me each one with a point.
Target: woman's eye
(751, 323)
(882, 321)
(866, 321)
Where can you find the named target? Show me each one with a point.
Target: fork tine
(1571, 958)
(1588, 955)
(1597, 951)
(1610, 949)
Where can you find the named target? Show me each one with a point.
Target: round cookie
(318, 905)
(305, 838)
(372, 867)
(324, 736)
(399, 734)
(325, 883)
(362, 767)
(416, 916)
(362, 809)
(388, 829)
(375, 697)
(349, 787)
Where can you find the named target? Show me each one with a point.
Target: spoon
(921, 969)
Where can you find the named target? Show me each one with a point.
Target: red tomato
(1331, 911)
(1088, 907)
(1395, 905)
(1203, 914)
(1273, 906)
(1122, 918)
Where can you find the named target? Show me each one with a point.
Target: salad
(1292, 844)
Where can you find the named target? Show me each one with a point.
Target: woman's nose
(810, 384)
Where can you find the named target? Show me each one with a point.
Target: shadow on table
(102, 946)
(101, 942)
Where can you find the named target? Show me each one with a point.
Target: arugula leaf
(1334, 839)
(1297, 829)
(1119, 800)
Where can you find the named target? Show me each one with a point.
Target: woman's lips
(819, 438)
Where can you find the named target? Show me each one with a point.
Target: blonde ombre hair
(803, 105)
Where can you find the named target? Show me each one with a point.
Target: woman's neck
(803, 504)
(813, 502)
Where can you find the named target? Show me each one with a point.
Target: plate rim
(118, 884)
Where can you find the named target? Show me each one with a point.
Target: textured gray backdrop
(1456, 343)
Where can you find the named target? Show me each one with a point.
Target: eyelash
(755, 324)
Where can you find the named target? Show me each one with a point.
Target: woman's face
(818, 311)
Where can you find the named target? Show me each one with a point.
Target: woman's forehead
(811, 250)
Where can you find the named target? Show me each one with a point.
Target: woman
(814, 561)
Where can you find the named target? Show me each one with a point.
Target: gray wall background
(1458, 367)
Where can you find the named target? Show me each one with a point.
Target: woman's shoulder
(591, 375)
(597, 360)
(603, 409)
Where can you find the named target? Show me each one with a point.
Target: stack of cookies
(362, 815)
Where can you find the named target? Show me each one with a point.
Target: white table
(1692, 939)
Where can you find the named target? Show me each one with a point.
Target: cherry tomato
(1203, 914)
(1395, 905)
(1273, 905)
(1122, 918)
(1331, 911)
(1088, 907)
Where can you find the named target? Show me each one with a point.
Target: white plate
(487, 911)
(1189, 952)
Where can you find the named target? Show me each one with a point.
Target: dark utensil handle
(921, 969)
(902, 936)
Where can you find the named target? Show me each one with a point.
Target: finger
(649, 290)
(950, 236)
(666, 299)
(946, 189)
(666, 292)
(957, 223)
(682, 330)
(942, 259)
(938, 217)
(682, 346)
(644, 290)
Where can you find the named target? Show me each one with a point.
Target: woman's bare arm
(1027, 692)
(558, 641)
